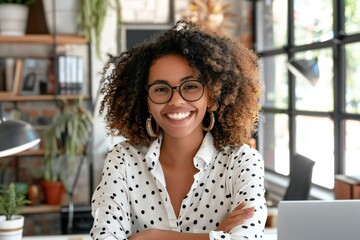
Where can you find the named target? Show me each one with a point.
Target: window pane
(271, 29)
(274, 76)
(313, 21)
(274, 142)
(352, 52)
(352, 147)
(316, 95)
(315, 140)
(352, 16)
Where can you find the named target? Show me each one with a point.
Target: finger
(245, 211)
(240, 206)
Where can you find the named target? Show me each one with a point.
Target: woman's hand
(158, 234)
(143, 235)
(236, 217)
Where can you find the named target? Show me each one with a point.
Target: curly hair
(228, 67)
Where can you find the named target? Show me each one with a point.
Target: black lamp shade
(305, 68)
(16, 136)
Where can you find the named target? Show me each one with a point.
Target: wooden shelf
(14, 98)
(43, 39)
(43, 208)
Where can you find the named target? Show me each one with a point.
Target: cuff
(219, 235)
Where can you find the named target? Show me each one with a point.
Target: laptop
(319, 220)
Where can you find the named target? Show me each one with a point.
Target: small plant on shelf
(66, 143)
(11, 201)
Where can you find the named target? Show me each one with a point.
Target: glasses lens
(191, 90)
(160, 93)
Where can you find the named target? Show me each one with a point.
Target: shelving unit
(48, 45)
(43, 98)
(43, 39)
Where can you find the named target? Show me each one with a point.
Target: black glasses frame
(203, 83)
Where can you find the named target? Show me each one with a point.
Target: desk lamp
(16, 136)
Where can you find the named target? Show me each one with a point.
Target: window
(310, 52)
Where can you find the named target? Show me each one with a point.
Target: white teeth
(178, 116)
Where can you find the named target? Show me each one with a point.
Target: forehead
(171, 68)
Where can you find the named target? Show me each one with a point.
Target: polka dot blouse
(132, 194)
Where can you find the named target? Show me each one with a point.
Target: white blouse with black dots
(132, 194)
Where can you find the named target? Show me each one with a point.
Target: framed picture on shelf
(10, 76)
(35, 76)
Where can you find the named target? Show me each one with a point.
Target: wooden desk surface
(58, 237)
(270, 234)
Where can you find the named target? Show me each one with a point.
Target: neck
(180, 151)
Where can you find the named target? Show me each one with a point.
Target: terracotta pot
(34, 194)
(53, 192)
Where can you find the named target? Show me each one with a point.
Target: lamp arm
(1, 111)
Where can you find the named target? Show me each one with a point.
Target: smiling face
(178, 118)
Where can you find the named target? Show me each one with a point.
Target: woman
(186, 103)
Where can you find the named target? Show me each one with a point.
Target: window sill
(276, 184)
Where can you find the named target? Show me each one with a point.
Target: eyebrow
(181, 80)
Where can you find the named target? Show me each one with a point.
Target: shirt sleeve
(110, 205)
(248, 185)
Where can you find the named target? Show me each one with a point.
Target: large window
(310, 54)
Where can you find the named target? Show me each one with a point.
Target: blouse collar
(202, 158)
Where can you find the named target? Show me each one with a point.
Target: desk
(58, 237)
(270, 234)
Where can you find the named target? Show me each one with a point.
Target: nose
(176, 97)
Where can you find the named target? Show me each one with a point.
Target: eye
(160, 88)
(191, 85)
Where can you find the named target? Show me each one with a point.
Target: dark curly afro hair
(228, 67)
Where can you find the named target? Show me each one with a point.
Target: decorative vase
(13, 19)
(53, 192)
(11, 229)
(62, 16)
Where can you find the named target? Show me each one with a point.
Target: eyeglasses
(191, 91)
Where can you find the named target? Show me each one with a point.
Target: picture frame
(10, 76)
(133, 35)
(35, 73)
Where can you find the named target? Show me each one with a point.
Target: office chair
(300, 179)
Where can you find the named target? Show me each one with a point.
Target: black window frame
(337, 43)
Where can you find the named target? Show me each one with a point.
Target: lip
(178, 116)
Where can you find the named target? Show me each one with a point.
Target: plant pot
(13, 19)
(62, 17)
(11, 229)
(53, 192)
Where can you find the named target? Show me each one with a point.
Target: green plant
(66, 140)
(92, 18)
(11, 200)
(23, 2)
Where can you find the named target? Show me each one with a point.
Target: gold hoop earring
(212, 122)
(149, 128)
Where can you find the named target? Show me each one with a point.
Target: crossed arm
(232, 219)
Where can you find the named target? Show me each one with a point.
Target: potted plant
(11, 224)
(65, 146)
(82, 17)
(14, 16)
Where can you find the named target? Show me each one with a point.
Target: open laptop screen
(319, 220)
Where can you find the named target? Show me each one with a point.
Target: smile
(178, 116)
